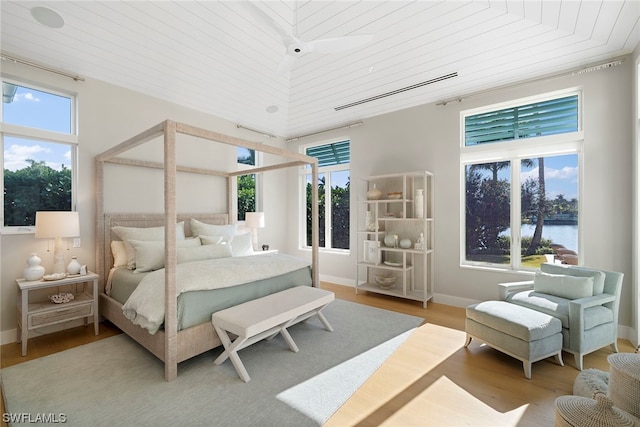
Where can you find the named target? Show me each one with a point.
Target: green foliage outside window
(339, 215)
(35, 187)
(246, 195)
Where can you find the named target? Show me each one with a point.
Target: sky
(560, 173)
(40, 110)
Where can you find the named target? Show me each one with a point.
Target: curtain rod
(256, 131)
(350, 125)
(41, 67)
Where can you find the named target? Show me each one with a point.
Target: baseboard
(453, 300)
(338, 280)
(8, 337)
(627, 333)
(11, 336)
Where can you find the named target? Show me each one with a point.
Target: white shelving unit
(385, 224)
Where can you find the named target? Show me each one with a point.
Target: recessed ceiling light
(47, 17)
(272, 109)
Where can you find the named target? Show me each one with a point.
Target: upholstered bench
(267, 317)
(525, 334)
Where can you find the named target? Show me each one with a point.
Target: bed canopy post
(171, 217)
(315, 240)
(100, 223)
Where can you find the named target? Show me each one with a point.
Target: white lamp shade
(53, 224)
(254, 219)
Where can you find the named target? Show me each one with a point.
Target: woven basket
(624, 382)
(577, 411)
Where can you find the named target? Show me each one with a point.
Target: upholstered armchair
(585, 300)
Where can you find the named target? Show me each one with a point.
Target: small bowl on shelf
(385, 281)
(394, 195)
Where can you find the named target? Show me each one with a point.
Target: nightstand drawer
(60, 315)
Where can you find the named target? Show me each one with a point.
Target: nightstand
(37, 314)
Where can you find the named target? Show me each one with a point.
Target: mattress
(196, 307)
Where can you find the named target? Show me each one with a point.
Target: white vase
(418, 202)
(74, 266)
(371, 225)
(374, 193)
(34, 271)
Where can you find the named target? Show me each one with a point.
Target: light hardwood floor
(431, 380)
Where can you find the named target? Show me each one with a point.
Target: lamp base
(59, 265)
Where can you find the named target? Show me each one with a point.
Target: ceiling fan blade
(266, 20)
(339, 44)
(285, 64)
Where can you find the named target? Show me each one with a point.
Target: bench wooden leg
(231, 352)
(324, 320)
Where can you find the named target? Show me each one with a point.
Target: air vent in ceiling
(394, 92)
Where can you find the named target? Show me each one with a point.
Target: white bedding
(145, 306)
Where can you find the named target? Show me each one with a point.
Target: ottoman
(520, 332)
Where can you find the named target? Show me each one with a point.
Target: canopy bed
(174, 340)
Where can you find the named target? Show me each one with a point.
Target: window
(521, 175)
(39, 152)
(333, 186)
(246, 184)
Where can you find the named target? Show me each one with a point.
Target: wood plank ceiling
(220, 58)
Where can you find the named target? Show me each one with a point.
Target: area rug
(117, 382)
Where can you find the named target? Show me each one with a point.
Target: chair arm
(504, 289)
(582, 303)
(576, 316)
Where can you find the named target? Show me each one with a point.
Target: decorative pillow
(119, 254)
(598, 276)
(142, 233)
(201, 228)
(212, 240)
(564, 286)
(150, 254)
(241, 245)
(218, 250)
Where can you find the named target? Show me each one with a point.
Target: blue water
(566, 235)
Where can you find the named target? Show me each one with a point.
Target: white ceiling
(215, 56)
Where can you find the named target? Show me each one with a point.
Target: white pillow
(200, 228)
(142, 233)
(241, 245)
(119, 253)
(150, 254)
(218, 250)
(560, 285)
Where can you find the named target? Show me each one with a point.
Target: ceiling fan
(297, 47)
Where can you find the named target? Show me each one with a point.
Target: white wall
(109, 115)
(427, 137)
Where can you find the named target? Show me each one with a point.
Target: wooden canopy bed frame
(170, 345)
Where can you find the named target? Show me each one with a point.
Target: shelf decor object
(57, 225)
(394, 211)
(418, 203)
(74, 266)
(34, 271)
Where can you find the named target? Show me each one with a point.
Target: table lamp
(57, 225)
(254, 220)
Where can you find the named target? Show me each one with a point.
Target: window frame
(514, 151)
(18, 131)
(304, 172)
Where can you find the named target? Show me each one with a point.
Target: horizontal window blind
(336, 153)
(525, 121)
